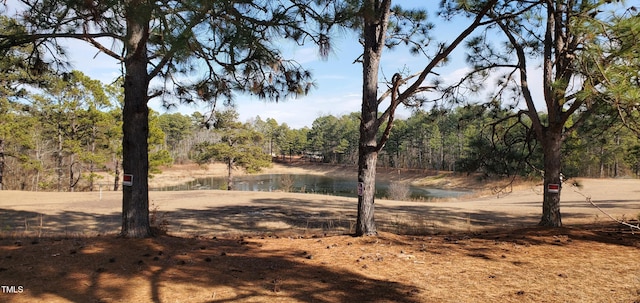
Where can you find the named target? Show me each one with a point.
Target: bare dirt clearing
(288, 247)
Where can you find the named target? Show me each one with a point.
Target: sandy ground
(215, 212)
(287, 247)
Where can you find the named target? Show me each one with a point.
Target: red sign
(127, 180)
(553, 188)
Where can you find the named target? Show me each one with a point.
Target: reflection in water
(305, 184)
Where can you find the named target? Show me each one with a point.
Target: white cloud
(306, 55)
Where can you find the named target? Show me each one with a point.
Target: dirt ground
(289, 247)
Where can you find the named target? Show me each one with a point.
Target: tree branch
(445, 51)
(389, 114)
(524, 84)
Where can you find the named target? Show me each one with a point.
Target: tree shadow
(58, 256)
(69, 223)
(166, 269)
(291, 216)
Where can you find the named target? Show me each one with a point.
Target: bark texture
(135, 128)
(551, 216)
(376, 17)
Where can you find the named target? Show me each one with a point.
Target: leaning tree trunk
(552, 143)
(135, 127)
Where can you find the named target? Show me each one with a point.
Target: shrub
(398, 191)
(286, 183)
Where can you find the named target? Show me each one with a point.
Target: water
(302, 183)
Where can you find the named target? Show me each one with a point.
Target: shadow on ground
(166, 269)
(280, 216)
(238, 268)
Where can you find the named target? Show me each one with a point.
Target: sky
(338, 79)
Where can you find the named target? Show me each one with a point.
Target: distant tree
(279, 138)
(240, 146)
(633, 157)
(284, 144)
(65, 111)
(97, 142)
(397, 144)
(298, 140)
(176, 127)
(115, 92)
(325, 137)
(159, 154)
(17, 73)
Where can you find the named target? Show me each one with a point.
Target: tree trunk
(229, 174)
(1, 163)
(135, 127)
(92, 177)
(116, 178)
(71, 174)
(59, 170)
(94, 131)
(369, 125)
(552, 143)
(368, 158)
(601, 162)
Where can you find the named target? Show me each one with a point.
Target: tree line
(465, 139)
(66, 136)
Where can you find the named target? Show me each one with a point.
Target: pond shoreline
(316, 184)
(443, 180)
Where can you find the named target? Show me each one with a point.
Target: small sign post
(127, 180)
(553, 188)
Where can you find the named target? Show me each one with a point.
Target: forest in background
(67, 136)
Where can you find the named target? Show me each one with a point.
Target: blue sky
(338, 79)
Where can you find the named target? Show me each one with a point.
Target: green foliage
(68, 109)
(613, 63)
(238, 146)
(236, 43)
(62, 132)
(176, 127)
(334, 137)
(158, 153)
(159, 158)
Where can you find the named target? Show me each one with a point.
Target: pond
(304, 183)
